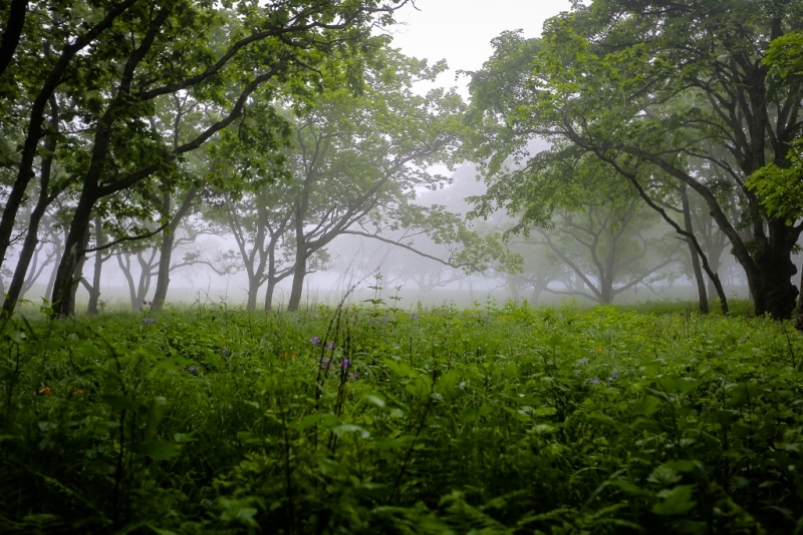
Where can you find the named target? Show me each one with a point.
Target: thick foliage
(376, 420)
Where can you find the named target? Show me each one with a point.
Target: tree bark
(12, 33)
(32, 235)
(695, 259)
(63, 298)
(166, 247)
(94, 290)
(297, 289)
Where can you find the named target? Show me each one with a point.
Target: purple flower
(345, 364)
(594, 381)
(193, 370)
(325, 363)
(149, 320)
(581, 362)
(330, 346)
(144, 302)
(413, 317)
(150, 303)
(614, 376)
(224, 352)
(315, 340)
(354, 376)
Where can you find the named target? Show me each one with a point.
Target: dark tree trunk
(695, 258)
(94, 290)
(163, 274)
(297, 289)
(773, 292)
(65, 285)
(166, 247)
(11, 37)
(32, 236)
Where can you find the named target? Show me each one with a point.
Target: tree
(646, 86)
(117, 60)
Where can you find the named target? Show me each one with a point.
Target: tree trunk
(11, 37)
(271, 287)
(163, 275)
(297, 289)
(65, 285)
(776, 294)
(253, 288)
(714, 260)
(32, 236)
(535, 298)
(695, 259)
(94, 290)
(166, 247)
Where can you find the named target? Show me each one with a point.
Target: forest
(262, 271)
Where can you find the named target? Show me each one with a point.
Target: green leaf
(159, 450)
(675, 501)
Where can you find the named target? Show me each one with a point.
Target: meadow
(375, 419)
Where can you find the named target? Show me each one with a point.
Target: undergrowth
(378, 420)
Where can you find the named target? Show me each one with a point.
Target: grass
(378, 420)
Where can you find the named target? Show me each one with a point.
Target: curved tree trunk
(695, 258)
(32, 235)
(12, 33)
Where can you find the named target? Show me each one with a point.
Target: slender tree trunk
(52, 279)
(11, 37)
(166, 247)
(32, 235)
(94, 292)
(714, 259)
(695, 259)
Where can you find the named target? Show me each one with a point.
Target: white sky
(460, 31)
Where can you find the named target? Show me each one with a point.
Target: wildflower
(354, 376)
(614, 376)
(149, 320)
(315, 340)
(345, 364)
(288, 356)
(582, 361)
(45, 391)
(193, 370)
(224, 352)
(413, 317)
(325, 363)
(150, 303)
(599, 349)
(594, 381)
(144, 302)
(330, 346)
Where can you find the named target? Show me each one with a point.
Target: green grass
(489, 420)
